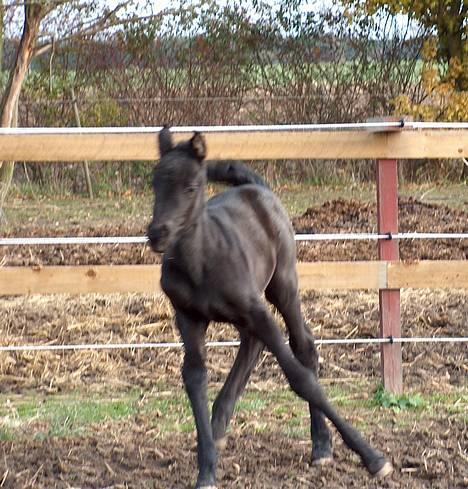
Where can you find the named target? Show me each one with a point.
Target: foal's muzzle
(158, 237)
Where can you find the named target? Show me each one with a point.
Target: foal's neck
(190, 246)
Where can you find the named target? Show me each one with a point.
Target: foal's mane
(233, 173)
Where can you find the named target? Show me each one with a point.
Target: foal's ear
(165, 141)
(198, 146)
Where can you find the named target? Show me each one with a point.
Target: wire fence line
(222, 344)
(169, 99)
(372, 126)
(102, 240)
(205, 129)
(378, 126)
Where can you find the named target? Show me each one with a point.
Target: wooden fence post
(389, 299)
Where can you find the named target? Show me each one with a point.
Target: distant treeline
(221, 67)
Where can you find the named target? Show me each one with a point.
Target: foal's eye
(190, 189)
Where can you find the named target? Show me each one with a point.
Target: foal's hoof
(326, 460)
(380, 468)
(322, 454)
(385, 470)
(221, 444)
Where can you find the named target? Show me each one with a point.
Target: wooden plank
(443, 274)
(295, 145)
(390, 353)
(342, 275)
(71, 147)
(145, 278)
(241, 145)
(105, 279)
(389, 300)
(100, 279)
(432, 144)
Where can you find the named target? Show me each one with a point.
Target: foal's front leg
(223, 407)
(195, 380)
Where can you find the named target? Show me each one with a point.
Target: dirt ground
(128, 457)
(428, 450)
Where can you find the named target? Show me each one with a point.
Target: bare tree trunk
(33, 14)
(452, 32)
(87, 174)
(2, 33)
(6, 171)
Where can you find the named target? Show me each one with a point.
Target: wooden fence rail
(385, 146)
(277, 145)
(106, 279)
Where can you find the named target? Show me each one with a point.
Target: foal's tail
(233, 172)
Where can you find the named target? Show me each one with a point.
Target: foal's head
(178, 184)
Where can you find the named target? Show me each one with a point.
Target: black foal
(221, 257)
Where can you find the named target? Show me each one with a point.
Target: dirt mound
(338, 216)
(343, 216)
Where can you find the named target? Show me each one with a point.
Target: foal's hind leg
(283, 293)
(223, 407)
(303, 382)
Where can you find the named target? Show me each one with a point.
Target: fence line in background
(385, 141)
(225, 344)
(64, 240)
(372, 140)
(135, 100)
(382, 125)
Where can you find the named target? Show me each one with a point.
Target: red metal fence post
(389, 300)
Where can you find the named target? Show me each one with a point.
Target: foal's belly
(223, 293)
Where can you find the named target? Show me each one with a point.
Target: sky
(143, 7)
(13, 26)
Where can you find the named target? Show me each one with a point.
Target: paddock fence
(382, 141)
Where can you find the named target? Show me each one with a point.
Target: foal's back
(250, 230)
(252, 207)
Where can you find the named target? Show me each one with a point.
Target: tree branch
(94, 26)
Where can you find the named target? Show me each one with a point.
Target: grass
(74, 211)
(136, 208)
(167, 411)
(395, 402)
(58, 416)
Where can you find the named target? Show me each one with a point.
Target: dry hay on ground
(140, 319)
(137, 318)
